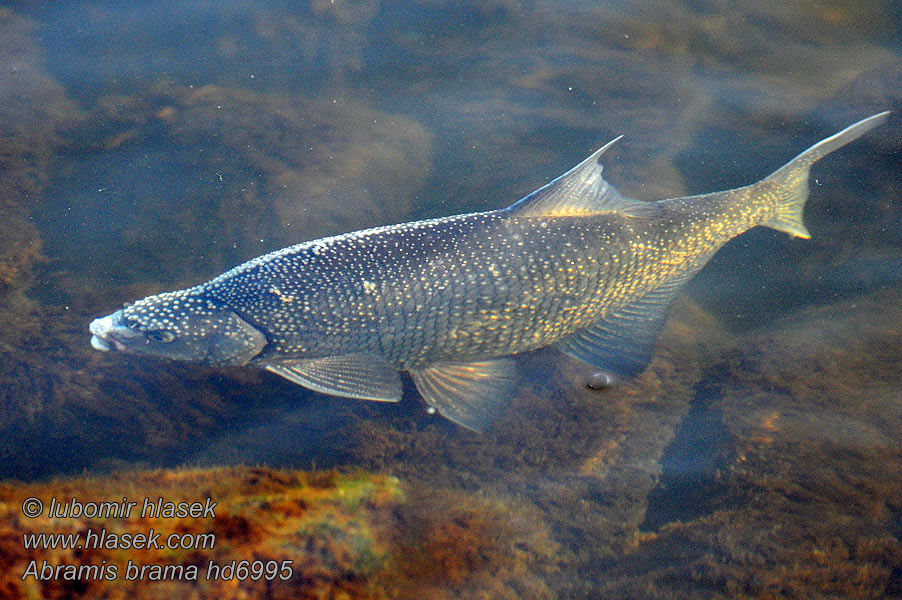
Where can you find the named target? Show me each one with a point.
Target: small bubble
(600, 380)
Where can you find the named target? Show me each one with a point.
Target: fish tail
(788, 186)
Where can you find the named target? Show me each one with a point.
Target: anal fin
(363, 376)
(470, 394)
(623, 342)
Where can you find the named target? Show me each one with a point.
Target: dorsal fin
(582, 191)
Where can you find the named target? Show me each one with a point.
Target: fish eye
(161, 336)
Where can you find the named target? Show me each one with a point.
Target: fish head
(182, 325)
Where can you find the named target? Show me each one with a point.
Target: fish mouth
(107, 343)
(103, 333)
(98, 343)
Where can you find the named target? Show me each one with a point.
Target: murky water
(148, 146)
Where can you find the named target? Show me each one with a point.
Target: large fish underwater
(574, 264)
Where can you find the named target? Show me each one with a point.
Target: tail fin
(789, 184)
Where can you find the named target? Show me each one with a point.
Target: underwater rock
(865, 217)
(196, 180)
(35, 117)
(34, 113)
(351, 535)
(813, 487)
(326, 44)
(329, 166)
(556, 81)
(65, 410)
(451, 544)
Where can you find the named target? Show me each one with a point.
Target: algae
(814, 475)
(34, 116)
(347, 535)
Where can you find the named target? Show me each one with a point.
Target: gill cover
(235, 341)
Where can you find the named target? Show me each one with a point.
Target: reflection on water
(148, 147)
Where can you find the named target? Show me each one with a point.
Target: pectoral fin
(624, 341)
(470, 394)
(364, 376)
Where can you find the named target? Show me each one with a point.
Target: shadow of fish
(449, 300)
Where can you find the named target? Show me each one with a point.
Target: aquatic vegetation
(80, 413)
(34, 114)
(812, 483)
(347, 535)
(260, 515)
(30, 133)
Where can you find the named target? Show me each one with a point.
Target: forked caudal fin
(789, 184)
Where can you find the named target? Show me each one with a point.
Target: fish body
(575, 264)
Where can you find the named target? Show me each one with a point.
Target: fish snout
(109, 332)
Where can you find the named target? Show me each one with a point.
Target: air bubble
(600, 380)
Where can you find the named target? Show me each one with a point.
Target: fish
(575, 265)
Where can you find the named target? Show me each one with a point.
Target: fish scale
(575, 264)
